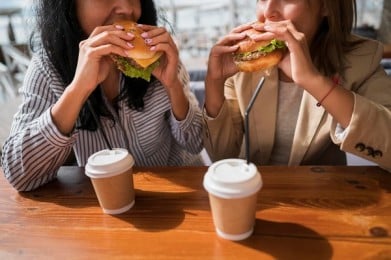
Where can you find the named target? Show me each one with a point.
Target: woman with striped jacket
(159, 122)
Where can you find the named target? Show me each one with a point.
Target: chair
(386, 63)
(9, 107)
(197, 85)
(17, 60)
(6, 81)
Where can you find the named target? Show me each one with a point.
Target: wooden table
(303, 213)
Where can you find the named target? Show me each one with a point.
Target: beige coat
(314, 141)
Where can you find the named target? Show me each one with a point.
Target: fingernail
(267, 27)
(130, 34)
(144, 35)
(153, 48)
(120, 27)
(148, 41)
(130, 45)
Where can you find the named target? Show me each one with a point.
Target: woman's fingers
(218, 50)
(285, 31)
(104, 50)
(115, 37)
(242, 27)
(155, 36)
(297, 64)
(231, 39)
(160, 40)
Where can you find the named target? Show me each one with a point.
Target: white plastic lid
(107, 163)
(232, 178)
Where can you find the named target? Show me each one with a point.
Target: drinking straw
(100, 128)
(246, 125)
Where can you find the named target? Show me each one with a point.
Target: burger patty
(249, 56)
(119, 60)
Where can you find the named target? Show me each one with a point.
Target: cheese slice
(146, 62)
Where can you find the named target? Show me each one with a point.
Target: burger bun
(141, 52)
(264, 61)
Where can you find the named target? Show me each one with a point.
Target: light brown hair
(332, 39)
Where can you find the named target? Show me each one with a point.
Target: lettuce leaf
(273, 45)
(133, 72)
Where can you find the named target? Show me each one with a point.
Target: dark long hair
(333, 40)
(60, 33)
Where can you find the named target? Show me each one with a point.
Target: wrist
(214, 98)
(178, 99)
(321, 87)
(312, 82)
(335, 83)
(175, 90)
(77, 92)
(66, 110)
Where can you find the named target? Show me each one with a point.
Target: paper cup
(110, 172)
(233, 186)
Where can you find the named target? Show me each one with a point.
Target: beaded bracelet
(335, 80)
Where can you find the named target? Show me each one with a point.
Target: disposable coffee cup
(233, 187)
(110, 172)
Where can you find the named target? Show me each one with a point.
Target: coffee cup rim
(248, 185)
(97, 167)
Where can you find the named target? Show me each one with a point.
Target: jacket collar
(308, 120)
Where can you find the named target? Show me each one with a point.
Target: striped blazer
(35, 149)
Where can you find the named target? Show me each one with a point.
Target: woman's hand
(167, 72)
(298, 66)
(94, 62)
(159, 39)
(297, 63)
(221, 66)
(93, 66)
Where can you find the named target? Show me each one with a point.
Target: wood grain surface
(302, 213)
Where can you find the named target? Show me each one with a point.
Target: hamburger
(141, 61)
(258, 55)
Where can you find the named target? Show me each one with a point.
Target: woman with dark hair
(72, 74)
(328, 95)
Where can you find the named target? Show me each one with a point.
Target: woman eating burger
(325, 94)
(74, 71)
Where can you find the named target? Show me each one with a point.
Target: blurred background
(195, 24)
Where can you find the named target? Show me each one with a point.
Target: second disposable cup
(111, 175)
(233, 186)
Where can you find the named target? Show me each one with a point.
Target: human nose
(124, 8)
(269, 9)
